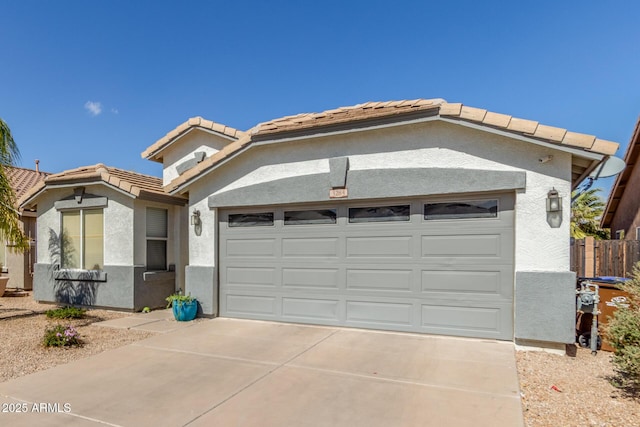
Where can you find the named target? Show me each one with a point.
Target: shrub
(623, 332)
(178, 298)
(66, 313)
(61, 336)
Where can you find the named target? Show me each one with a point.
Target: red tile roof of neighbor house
(138, 185)
(370, 111)
(620, 185)
(22, 180)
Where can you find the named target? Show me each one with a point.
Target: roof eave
(630, 157)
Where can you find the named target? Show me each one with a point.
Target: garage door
(442, 266)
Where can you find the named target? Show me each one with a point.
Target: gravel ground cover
(564, 391)
(22, 326)
(558, 391)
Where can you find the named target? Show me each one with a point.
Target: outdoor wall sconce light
(554, 209)
(196, 222)
(554, 202)
(195, 218)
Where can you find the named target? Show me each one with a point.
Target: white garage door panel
(452, 276)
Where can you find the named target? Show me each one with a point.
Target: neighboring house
(622, 213)
(19, 265)
(107, 237)
(421, 216)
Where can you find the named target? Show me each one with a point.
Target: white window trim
(81, 256)
(165, 239)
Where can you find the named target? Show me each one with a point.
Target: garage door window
(461, 210)
(251, 219)
(380, 214)
(317, 216)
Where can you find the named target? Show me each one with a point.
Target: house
(420, 216)
(622, 213)
(106, 237)
(19, 265)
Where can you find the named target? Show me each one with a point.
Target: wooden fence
(595, 258)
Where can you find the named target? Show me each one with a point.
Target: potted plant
(185, 307)
(3, 280)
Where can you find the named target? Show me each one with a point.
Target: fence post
(589, 257)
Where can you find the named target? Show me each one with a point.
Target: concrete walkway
(227, 372)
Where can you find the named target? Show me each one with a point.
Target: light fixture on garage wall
(196, 222)
(554, 201)
(554, 208)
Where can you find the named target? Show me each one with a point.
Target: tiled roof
(138, 185)
(362, 114)
(631, 159)
(23, 180)
(154, 151)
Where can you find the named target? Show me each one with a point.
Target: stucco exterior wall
(118, 220)
(542, 285)
(428, 145)
(124, 282)
(183, 150)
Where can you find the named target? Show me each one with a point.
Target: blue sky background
(83, 82)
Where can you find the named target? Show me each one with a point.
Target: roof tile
(154, 151)
(23, 180)
(522, 125)
(471, 113)
(550, 133)
(450, 109)
(131, 182)
(578, 140)
(374, 110)
(496, 119)
(605, 147)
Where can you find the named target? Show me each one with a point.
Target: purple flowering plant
(62, 336)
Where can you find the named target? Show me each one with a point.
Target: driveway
(228, 372)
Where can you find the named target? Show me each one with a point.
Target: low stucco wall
(119, 287)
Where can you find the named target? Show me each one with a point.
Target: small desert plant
(66, 313)
(61, 336)
(178, 298)
(623, 332)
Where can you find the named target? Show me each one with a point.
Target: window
(157, 239)
(251, 219)
(461, 210)
(82, 242)
(620, 235)
(380, 214)
(637, 233)
(319, 216)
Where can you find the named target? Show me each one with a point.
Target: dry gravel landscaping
(22, 325)
(558, 391)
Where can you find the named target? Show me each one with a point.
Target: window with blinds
(157, 232)
(82, 239)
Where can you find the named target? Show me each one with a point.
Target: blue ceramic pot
(185, 311)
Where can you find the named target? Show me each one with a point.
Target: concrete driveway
(227, 372)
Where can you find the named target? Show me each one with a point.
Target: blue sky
(83, 82)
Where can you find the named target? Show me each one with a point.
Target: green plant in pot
(185, 307)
